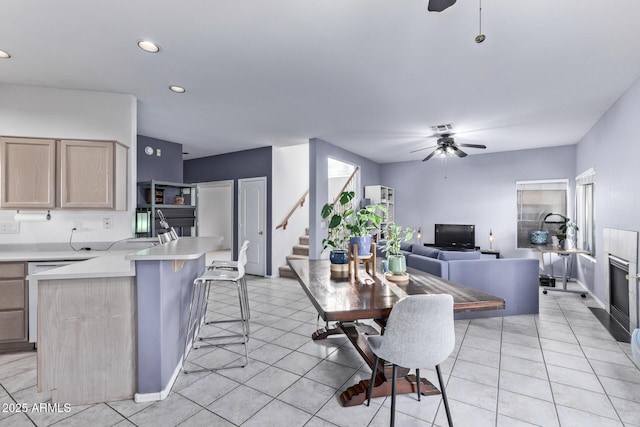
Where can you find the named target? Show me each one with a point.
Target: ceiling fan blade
(473, 145)
(439, 5)
(459, 152)
(433, 153)
(420, 149)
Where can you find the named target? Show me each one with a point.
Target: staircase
(300, 251)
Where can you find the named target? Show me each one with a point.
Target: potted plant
(336, 228)
(395, 258)
(362, 223)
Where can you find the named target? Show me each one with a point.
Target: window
(585, 183)
(535, 200)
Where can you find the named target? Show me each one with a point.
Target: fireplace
(620, 272)
(619, 291)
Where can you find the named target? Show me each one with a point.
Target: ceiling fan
(448, 147)
(439, 5)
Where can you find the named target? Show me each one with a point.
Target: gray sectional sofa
(515, 279)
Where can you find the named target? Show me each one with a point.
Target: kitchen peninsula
(113, 327)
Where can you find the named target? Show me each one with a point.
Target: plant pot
(539, 237)
(397, 264)
(339, 257)
(178, 200)
(363, 242)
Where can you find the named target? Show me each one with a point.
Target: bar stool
(198, 310)
(229, 265)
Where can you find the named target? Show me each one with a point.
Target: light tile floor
(560, 367)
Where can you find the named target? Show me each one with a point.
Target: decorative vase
(539, 237)
(339, 256)
(363, 242)
(397, 264)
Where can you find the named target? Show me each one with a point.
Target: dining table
(352, 303)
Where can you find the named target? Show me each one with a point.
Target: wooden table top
(341, 300)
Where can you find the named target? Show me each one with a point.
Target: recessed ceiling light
(177, 89)
(4, 55)
(148, 46)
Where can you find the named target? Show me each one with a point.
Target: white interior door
(252, 221)
(215, 211)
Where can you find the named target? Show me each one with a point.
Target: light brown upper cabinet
(28, 172)
(86, 175)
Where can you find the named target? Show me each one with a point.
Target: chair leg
(444, 396)
(393, 396)
(374, 371)
(418, 382)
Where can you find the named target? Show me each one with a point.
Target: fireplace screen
(619, 291)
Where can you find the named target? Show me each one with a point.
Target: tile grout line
(594, 372)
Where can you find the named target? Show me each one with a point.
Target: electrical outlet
(10, 227)
(106, 223)
(78, 226)
(158, 152)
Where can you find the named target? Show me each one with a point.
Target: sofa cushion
(428, 265)
(406, 246)
(425, 251)
(458, 255)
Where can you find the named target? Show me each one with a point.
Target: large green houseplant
(361, 224)
(336, 227)
(396, 235)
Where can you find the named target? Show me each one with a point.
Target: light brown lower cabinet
(14, 306)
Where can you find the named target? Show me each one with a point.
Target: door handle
(260, 233)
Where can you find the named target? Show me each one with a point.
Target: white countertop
(185, 248)
(119, 263)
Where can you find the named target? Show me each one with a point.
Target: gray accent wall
(611, 147)
(166, 167)
(319, 153)
(478, 189)
(234, 166)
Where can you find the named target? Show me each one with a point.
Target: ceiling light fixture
(148, 46)
(177, 89)
(4, 55)
(480, 37)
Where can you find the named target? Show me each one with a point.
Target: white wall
(290, 181)
(612, 149)
(46, 112)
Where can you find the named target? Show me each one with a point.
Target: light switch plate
(10, 227)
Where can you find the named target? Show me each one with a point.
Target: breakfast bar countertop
(120, 263)
(185, 248)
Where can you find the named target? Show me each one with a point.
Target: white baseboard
(162, 394)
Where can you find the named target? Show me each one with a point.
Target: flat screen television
(455, 236)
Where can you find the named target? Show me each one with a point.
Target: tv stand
(488, 252)
(452, 248)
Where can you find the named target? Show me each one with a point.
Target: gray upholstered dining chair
(419, 333)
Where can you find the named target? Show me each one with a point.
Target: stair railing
(298, 204)
(348, 182)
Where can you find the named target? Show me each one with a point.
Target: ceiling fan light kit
(447, 146)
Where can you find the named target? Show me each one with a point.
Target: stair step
(285, 271)
(304, 240)
(301, 250)
(297, 257)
